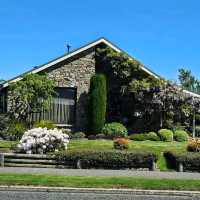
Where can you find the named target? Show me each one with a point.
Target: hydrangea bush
(41, 140)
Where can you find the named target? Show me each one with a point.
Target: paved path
(105, 173)
(23, 195)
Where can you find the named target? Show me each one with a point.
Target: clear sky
(162, 34)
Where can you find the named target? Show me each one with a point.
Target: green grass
(157, 147)
(98, 182)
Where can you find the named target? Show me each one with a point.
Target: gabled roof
(77, 51)
(73, 53)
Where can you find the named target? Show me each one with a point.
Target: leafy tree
(1, 81)
(31, 94)
(188, 81)
(97, 104)
(191, 83)
(146, 98)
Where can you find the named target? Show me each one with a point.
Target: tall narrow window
(62, 108)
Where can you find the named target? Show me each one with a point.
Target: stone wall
(76, 72)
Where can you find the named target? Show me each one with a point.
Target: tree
(1, 81)
(145, 98)
(31, 94)
(97, 103)
(191, 83)
(188, 81)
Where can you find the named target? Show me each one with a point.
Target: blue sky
(163, 35)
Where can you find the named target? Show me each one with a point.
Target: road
(23, 195)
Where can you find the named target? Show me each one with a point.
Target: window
(62, 108)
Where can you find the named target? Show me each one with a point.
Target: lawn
(157, 147)
(99, 182)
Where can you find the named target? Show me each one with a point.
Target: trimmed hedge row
(152, 136)
(189, 160)
(107, 159)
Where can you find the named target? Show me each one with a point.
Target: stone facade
(76, 73)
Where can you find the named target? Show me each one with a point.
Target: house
(72, 73)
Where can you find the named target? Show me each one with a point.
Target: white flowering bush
(42, 140)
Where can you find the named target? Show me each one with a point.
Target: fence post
(180, 167)
(2, 160)
(153, 166)
(78, 164)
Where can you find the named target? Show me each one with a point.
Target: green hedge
(97, 103)
(107, 159)
(152, 136)
(166, 135)
(190, 160)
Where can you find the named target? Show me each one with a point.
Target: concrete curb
(101, 190)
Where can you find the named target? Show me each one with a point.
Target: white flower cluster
(42, 140)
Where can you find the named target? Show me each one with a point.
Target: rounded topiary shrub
(153, 136)
(78, 135)
(165, 135)
(180, 135)
(114, 129)
(121, 143)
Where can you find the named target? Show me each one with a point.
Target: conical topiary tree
(97, 103)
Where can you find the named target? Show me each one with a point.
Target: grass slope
(99, 182)
(157, 147)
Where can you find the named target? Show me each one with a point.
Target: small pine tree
(97, 103)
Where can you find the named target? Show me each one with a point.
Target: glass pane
(62, 108)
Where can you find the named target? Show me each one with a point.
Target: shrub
(44, 124)
(78, 135)
(138, 137)
(194, 145)
(92, 137)
(146, 136)
(114, 129)
(41, 140)
(100, 136)
(165, 135)
(180, 136)
(16, 130)
(153, 136)
(4, 125)
(107, 159)
(190, 160)
(121, 143)
(197, 131)
(97, 103)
